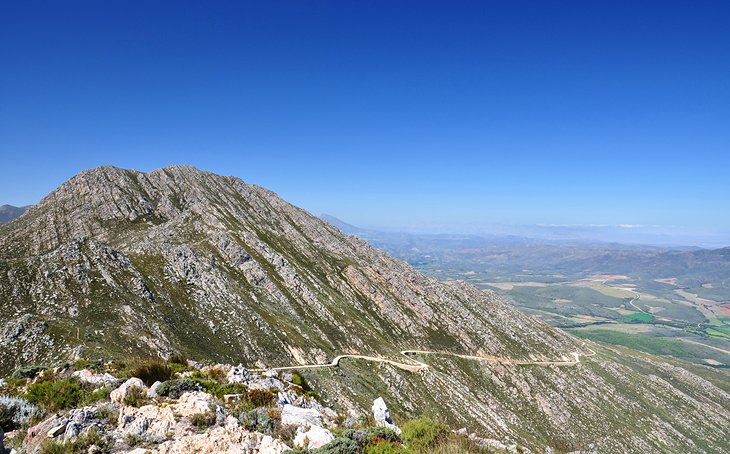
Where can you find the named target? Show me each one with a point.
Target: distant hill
(10, 212)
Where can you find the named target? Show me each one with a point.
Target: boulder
(56, 431)
(152, 392)
(314, 437)
(119, 394)
(381, 414)
(295, 416)
(239, 374)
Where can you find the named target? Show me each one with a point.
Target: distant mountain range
(10, 212)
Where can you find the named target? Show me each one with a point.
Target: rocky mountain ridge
(117, 263)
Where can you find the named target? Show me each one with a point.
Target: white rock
(315, 437)
(223, 440)
(239, 374)
(120, 393)
(194, 402)
(55, 431)
(295, 416)
(266, 383)
(146, 421)
(152, 392)
(381, 414)
(95, 379)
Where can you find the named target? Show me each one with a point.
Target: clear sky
(385, 113)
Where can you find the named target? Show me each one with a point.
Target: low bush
(299, 380)
(423, 434)
(178, 362)
(176, 388)
(220, 389)
(257, 420)
(15, 411)
(27, 372)
(108, 414)
(150, 370)
(136, 397)
(261, 397)
(96, 396)
(385, 447)
(203, 420)
(56, 395)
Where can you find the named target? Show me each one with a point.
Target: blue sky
(429, 115)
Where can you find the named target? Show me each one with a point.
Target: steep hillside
(117, 262)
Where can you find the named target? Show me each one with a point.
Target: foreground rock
(381, 414)
(119, 394)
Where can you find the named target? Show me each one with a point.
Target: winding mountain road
(416, 365)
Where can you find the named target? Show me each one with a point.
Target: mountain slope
(117, 262)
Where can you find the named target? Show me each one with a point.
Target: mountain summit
(117, 263)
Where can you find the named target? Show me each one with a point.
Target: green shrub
(424, 433)
(203, 420)
(261, 397)
(298, 379)
(220, 389)
(96, 396)
(27, 372)
(385, 447)
(136, 397)
(340, 445)
(133, 440)
(176, 388)
(151, 370)
(108, 414)
(285, 433)
(459, 444)
(257, 420)
(56, 395)
(96, 366)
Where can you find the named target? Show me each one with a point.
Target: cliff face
(117, 262)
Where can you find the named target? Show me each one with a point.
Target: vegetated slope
(117, 262)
